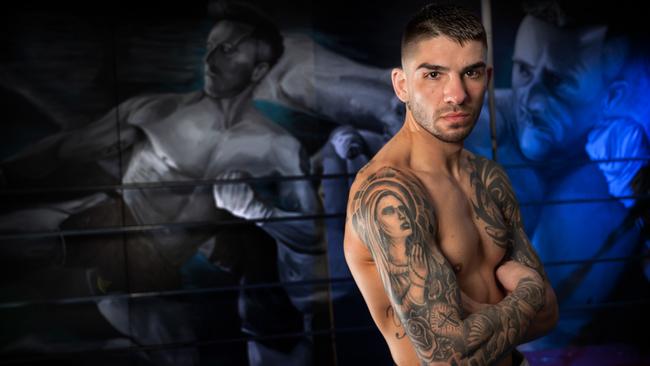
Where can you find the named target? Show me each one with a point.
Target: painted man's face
(446, 83)
(391, 214)
(230, 59)
(558, 82)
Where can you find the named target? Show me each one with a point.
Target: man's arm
(489, 175)
(311, 78)
(296, 197)
(421, 284)
(99, 139)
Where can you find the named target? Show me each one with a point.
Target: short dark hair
(452, 21)
(264, 30)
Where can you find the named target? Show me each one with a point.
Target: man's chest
(472, 232)
(199, 147)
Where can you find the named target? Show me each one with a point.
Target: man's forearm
(495, 329)
(545, 319)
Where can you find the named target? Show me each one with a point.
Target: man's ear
(616, 94)
(399, 84)
(259, 71)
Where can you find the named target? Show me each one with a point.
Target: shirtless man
(433, 229)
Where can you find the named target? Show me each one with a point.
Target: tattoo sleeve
(490, 182)
(392, 214)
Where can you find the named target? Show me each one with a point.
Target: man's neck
(231, 106)
(430, 154)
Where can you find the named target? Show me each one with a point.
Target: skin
(452, 223)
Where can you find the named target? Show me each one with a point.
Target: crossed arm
(490, 182)
(421, 285)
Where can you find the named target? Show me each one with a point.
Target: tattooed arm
(491, 182)
(389, 214)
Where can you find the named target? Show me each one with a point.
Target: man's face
(558, 83)
(229, 60)
(445, 84)
(392, 217)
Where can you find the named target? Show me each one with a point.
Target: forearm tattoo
(495, 204)
(392, 215)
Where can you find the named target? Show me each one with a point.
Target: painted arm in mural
(312, 79)
(92, 142)
(491, 182)
(296, 197)
(420, 283)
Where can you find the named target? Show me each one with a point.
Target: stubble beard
(429, 123)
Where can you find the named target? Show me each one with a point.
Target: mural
(153, 172)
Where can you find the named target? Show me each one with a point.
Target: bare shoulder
(486, 169)
(378, 184)
(149, 108)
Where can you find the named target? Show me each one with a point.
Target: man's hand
(510, 273)
(238, 198)
(619, 139)
(347, 142)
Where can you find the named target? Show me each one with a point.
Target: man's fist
(238, 198)
(347, 142)
(621, 138)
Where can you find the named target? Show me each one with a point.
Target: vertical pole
(486, 15)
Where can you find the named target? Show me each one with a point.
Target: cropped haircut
(452, 21)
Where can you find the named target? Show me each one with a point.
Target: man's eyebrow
(429, 66)
(478, 65)
(520, 61)
(567, 75)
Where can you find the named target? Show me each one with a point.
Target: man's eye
(227, 48)
(433, 75)
(473, 74)
(524, 71)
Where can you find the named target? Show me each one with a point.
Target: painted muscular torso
(466, 223)
(191, 138)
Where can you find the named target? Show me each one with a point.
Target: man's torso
(471, 234)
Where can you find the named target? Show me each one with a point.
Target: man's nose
(454, 91)
(534, 95)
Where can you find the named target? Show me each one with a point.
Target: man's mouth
(539, 124)
(455, 116)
